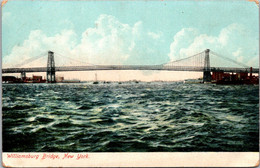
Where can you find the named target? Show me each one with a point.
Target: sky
(128, 32)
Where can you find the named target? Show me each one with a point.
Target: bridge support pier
(51, 68)
(206, 76)
(206, 70)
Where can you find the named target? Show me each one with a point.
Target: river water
(133, 117)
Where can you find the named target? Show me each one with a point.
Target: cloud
(237, 55)
(228, 42)
(154, 35)
(109, 42)
(113, 42)
(181, 40)
(38, 44)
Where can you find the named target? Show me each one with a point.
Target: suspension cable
(231, 60)
(177, 61)
(61, 55)
(30, 60)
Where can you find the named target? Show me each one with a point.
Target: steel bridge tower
(206, 70)
(51, 68)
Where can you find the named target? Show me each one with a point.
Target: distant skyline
(129, 32)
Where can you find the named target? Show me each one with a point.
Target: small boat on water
(119, 81)
(190, 81)
(95, 82)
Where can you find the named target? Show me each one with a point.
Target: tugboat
(95, 82)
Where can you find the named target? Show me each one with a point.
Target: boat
(95, 82)
(190, 81)
(119, 81)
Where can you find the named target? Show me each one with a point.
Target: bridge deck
(127, 67)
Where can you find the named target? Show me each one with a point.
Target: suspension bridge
(200, 62)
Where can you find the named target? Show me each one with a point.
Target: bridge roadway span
(127, 67)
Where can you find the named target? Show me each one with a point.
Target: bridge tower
(206, 70)
(51, 68)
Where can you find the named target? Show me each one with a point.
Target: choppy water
(129, 117)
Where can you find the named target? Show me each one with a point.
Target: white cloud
(189, 41)
(181, 40)
(38, 44)
(238, 55)
(154, 35)
(109, 42)
(114, 42)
